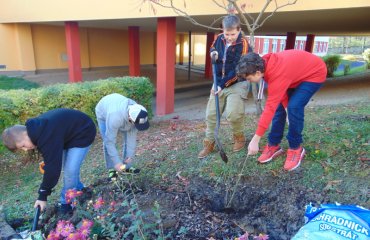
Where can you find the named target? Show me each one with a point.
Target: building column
(290, 40)
(208, 68)
(166, 35)
(310, 40)
(181, 49)
(73, 51)
(134, 51)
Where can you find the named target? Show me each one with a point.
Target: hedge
(16, 106)
(332, 63)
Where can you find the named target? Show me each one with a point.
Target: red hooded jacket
(284, 70)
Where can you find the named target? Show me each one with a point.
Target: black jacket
(240, 47)
(53, 132)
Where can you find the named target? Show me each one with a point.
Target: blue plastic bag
(335, 222)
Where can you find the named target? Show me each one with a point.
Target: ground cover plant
(177, 196)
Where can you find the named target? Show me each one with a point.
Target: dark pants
(298, 99)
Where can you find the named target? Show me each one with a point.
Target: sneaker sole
(299, 163)
(275, 155)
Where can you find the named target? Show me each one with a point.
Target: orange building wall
(147, 50)
(199, 49)
(108, 47)
(26, 55)
(84, 48)
(49, 46)
(8, 48)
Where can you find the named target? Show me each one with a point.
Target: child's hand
(214, 55)
(120, 167)
(217, 92)
(40, 203)
(253, 147)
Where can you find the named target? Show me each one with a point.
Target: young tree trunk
(257, 102)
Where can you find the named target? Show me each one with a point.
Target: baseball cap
(139, 115)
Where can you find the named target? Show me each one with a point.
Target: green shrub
(16, 106)
(332, 63)
(347, 69)
(366, 55)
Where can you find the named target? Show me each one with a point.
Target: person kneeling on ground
(63, 137)
(118, 114)
(227, 49)
(293, 77)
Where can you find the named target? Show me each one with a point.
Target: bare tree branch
(240, 12)
(185, 15)
(272, 13)
(219, 5)
(245, 12)
(260, 14)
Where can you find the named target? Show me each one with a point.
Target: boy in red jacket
(293, 77)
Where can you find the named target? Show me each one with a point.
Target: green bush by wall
(332, 62)
(16, 106)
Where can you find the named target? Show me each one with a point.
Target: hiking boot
(208, 147)
(269, 153)
(294, 158)
(239, 142)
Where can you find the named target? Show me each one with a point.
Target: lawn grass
(7, 83)
(336, 139)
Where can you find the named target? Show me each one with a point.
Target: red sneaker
(294, 158)
(269, 153)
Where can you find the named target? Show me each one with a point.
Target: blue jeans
(72, 161)
(108, 161)
(298, 99)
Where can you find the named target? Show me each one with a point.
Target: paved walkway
(191, 96)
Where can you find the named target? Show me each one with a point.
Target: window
(266, 46)
(282, 44)
(302, 45)
(274, 45)
(315, 49)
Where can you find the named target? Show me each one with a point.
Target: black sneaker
(132, 170)
(65, 209)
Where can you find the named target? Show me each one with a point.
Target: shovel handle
(36, 219)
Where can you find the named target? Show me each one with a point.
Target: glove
(41, 167)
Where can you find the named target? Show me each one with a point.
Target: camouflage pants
(232, 103)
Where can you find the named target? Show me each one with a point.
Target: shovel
(218, 116)
(36, 219)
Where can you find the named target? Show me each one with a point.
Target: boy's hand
(217, 92)
(40, 203)
(120, 167)
(253, 147)
(214, 55)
